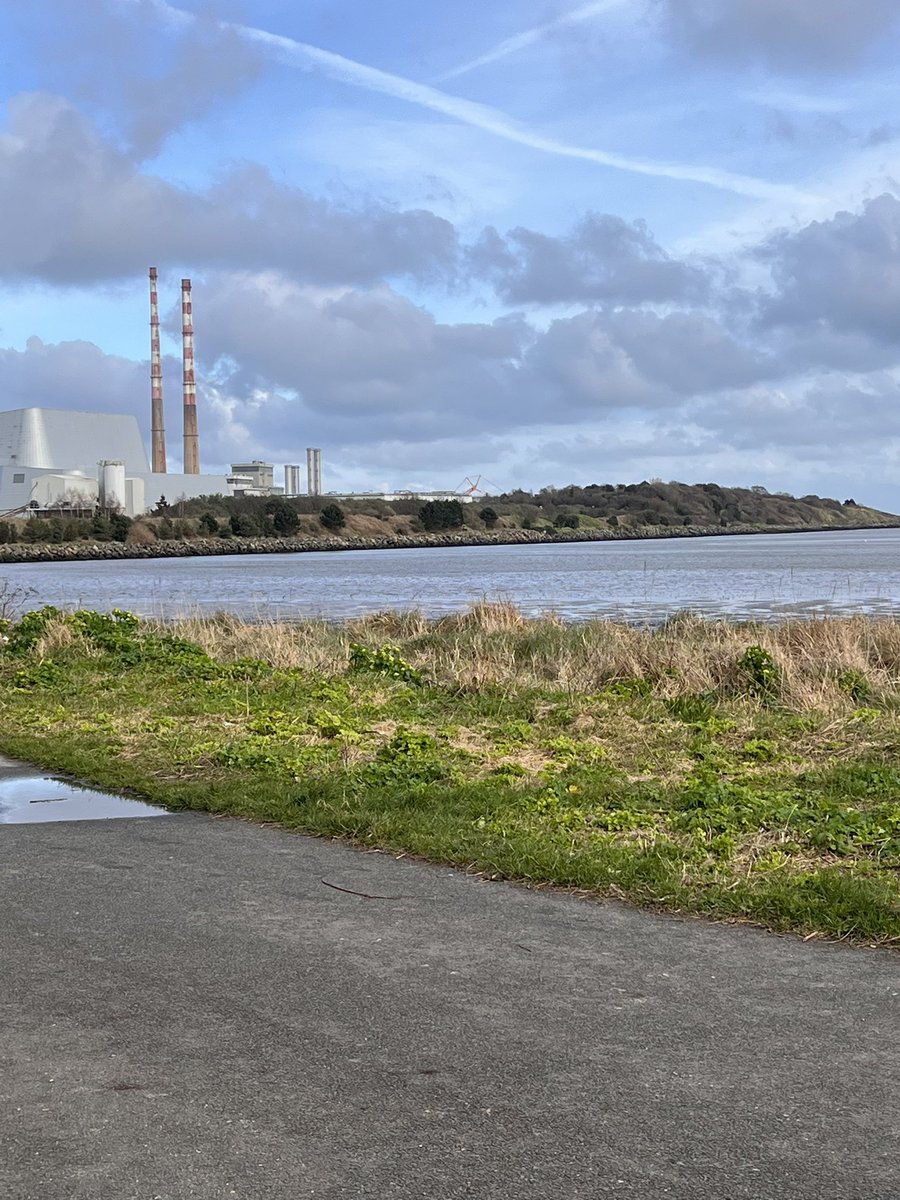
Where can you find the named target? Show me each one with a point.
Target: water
(27, 798)
(763, 577)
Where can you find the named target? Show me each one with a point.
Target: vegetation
(100, 527)
(668, 505)
(441, 514)
(603, 509)
(744, 772)
(332, 517)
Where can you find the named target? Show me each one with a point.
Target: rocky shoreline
(212, 547)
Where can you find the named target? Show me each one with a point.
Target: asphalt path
(187, 1010)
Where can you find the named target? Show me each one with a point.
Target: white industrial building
(51, 458)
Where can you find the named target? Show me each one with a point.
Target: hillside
(648, 509)
(671, 504)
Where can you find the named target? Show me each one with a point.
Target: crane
(472, 487)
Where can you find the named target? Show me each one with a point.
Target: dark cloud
(689, 352)
(604, 260)
(823, 420)
(76, 209)
(841, 275)
(788, 35)
(72, 375)
(372, 365)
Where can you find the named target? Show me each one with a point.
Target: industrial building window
(19, 477)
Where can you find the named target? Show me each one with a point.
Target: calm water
(766, 576)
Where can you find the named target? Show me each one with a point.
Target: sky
(536, 241)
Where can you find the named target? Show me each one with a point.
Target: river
(765, 576)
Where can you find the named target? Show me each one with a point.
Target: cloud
(146, 100)
(798, 102)
(76, 208)
(843, 273)
(72, 375)
(211, 63)
(689, 352)
(787, 35)
(521, 41)
(346, 70)
(371, 365)
(604, 260)
(822, 420)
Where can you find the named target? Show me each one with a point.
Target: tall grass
(830, 664)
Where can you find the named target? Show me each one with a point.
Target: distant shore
(207, 547)
(22, 552)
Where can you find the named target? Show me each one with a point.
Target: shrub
(285, 520)
(141, 535)
(441, 514)
(332, 517)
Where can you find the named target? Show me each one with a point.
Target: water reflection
(27, 798)
(766, 577)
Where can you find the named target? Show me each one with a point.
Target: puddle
(27, 799)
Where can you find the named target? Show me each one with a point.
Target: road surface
(187, 1010)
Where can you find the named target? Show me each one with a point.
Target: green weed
(705, 801)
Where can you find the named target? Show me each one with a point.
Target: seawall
(212, 547)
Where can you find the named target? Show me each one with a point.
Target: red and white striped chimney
(157, 413)
(191, 436)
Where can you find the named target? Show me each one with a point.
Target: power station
(50, 459)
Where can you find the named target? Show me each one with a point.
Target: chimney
(157, 414)
(191, 437)
(313, 471)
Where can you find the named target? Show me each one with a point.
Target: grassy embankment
(745, 772)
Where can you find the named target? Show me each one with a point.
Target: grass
(738, 771)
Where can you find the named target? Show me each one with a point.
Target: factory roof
(55, 439)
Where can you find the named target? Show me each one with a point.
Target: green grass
(769, 795)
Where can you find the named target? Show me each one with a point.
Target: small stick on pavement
(365, 895)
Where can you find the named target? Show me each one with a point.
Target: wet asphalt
(188, 1010)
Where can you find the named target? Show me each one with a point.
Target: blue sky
(545, 242)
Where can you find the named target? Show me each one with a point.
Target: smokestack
(157, 414)
(191, 437)
(313, 472)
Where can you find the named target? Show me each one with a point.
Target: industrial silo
(292, 480)
(113, 496)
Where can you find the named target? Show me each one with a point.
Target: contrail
(521, 40)
(480, 116)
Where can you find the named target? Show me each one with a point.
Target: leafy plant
(761, 673)
(25, 634)
(854, 684)
(386, 660)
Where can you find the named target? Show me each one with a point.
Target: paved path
(187, 1011)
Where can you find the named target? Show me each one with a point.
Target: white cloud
(521, 41)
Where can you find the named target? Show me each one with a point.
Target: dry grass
(614, 759)
(495, 645)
